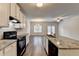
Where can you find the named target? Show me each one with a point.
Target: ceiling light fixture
(59, 19)
(39, 4)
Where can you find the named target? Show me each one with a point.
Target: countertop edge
(8, 45)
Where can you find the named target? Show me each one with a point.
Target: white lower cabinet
(68, 52)
(11, 50)
(1, 53)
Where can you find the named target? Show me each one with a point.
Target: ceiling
(50, 10)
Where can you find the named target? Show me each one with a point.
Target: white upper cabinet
(17, 12)
(10, 9)
(13, 9)
(4, 14)
(21, 17)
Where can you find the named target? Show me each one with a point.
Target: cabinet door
(52, 49)
(4, 14)
(21, 17)
(11, 50)
(17, 12)
(68, 52)
(13, 10)
(1, 52)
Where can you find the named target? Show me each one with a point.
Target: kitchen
(57, 25)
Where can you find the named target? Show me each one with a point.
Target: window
(51, 30)
(37, 28)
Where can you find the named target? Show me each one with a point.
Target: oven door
(21, 45)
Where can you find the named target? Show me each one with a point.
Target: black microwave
(10, 35)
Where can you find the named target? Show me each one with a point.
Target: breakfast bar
(65, 46)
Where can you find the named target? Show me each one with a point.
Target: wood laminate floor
(35, 47)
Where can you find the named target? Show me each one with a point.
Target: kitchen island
(63, 46)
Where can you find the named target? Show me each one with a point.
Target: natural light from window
(37, 28)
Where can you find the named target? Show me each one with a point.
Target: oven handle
(20, 39)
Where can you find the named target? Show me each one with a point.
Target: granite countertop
(5, 43)
(64, 42)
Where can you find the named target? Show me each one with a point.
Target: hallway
(35, 47)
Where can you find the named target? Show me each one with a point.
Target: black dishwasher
(52, 49)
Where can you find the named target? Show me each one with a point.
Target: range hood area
(15, 23)
(14, 20)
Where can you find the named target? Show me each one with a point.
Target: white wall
(28, 26)
(70, 27)
(28, 31)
